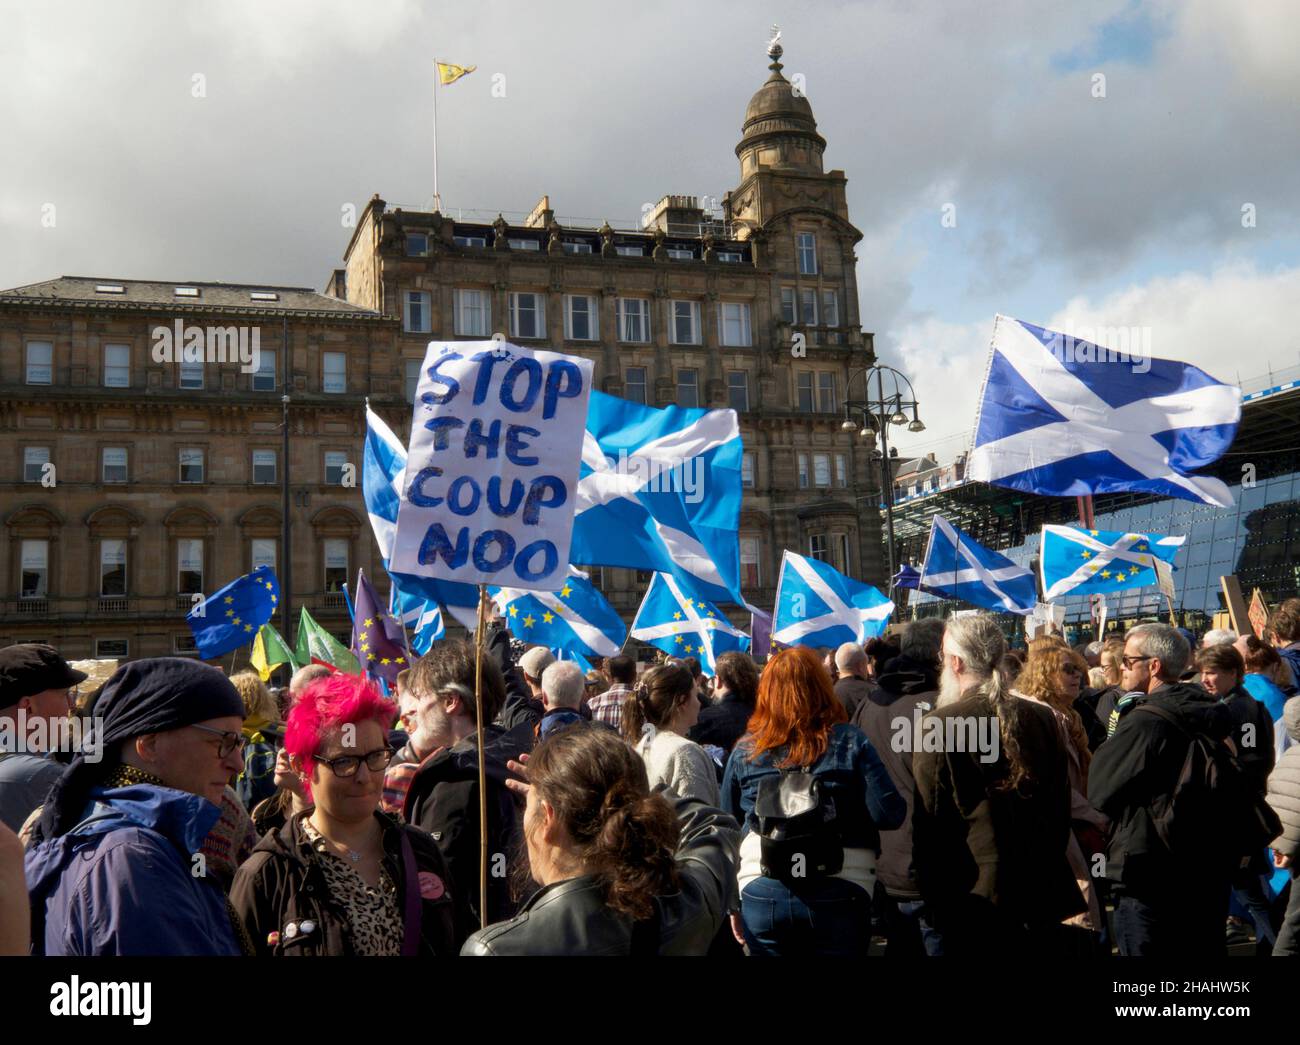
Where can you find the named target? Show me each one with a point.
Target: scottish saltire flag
(232, 617)
(908, 576)
(957, 567)
(660, 490)
(422, 616)
(1079, 562)
(674, 618)
(816, 605)
(377, 637)
(574, 623)
(383, 472)
(1064, 417)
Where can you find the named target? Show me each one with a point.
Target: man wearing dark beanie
(115, 866)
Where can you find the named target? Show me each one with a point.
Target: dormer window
(263, 295)
(186, 292)
(109, 288)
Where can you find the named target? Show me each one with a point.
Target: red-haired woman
(806, 880)
(342, 877)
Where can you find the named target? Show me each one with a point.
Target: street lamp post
(878, 413)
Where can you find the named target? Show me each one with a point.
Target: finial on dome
(775, 50)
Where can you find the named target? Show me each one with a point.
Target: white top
(680, 763)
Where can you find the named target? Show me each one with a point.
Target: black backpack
(1214, 810)
(797, 828)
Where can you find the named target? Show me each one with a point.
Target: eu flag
(377, 638)
(231, 618)
(678, 621)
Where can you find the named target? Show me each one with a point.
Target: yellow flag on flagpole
(449, 73)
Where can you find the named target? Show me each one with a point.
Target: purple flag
(760, 631)
(377, 638)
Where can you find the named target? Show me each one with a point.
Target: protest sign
(496, 444)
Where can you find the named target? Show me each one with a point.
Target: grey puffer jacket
(1284, 785)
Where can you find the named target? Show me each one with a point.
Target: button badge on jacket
(431, 887)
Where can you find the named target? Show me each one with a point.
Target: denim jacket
(851, 773)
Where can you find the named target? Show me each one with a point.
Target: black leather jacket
(570, 917)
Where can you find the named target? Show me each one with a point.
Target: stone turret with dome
(779, 129)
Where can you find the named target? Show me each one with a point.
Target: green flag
(315, 641)
(270, 651)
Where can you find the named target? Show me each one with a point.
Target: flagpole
(437, 200)
(482, 778)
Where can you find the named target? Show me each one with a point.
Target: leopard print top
(373, 915)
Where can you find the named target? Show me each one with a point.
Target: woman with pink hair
(342, 877)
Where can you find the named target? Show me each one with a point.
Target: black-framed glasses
(347, 765)
(229, 741)
(1128, 661)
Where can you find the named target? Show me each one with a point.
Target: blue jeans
(826, 917)
(910, 931)
(1188, 924)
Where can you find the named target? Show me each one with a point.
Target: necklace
(352, 854)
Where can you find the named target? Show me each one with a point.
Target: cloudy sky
(223, 141)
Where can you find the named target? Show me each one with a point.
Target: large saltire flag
(816, 605)
(958, 567)
(317, 644)
(676, 619)
(231, 617)
(383, 470)
(1064, 417)
(1079, 562)
(575, 623)
(269, 652)
(422, 616)
(660, 490)
(450, 73)
(378, 641)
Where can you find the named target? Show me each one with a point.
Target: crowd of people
(933, 792)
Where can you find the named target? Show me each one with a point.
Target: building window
(263, 467)
(730, 257)
(191, 466)
(808, 308)
(807, 243)
(738, 390)
(841, 470)
(626, 251)
(35, 570)
(112, 567)
(804, 391)
(688, 387)
(733, 318)
(787, 306)
(803, 471)
(117, 366)
(417, 244)
(469, 241)
(35, 458)
(264, 379)
(517, 243)
(336, 563)
(113, 649)
(686, 322)
(416, 313)
(262, 552)
(473, 312)
(184, 645)
(750, 574)
(830, 308)
(334, 462)
(335, 373)
(412, 378)
(580, 319)
(40, 363)
(633, 319)
(527, 315)
(747, 470)
(840, 552)
(113, 464)
(189, 566)
(634, 384)
(817, 547)
(573, 247)
(681, 254)
(821, 470)
(192, 374)
(826, 392)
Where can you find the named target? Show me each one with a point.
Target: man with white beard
(990, 828)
